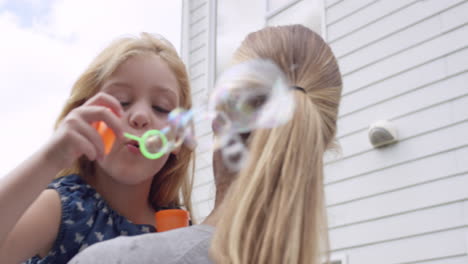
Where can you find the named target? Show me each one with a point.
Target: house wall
(402, 60)
(407, 62)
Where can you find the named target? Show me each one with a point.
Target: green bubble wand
(147, 137)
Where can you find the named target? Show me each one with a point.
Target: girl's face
(148, 90)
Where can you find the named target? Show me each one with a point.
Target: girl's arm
(35, 232)
(18, 191)
(20, 188)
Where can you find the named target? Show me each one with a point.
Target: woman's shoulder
(182, 245)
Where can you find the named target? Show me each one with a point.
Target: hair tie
(299, 88)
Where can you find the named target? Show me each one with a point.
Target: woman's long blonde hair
(275, 211)
(174, 179)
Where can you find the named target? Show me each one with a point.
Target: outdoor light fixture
(382, 133)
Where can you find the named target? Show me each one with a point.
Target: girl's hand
(76, 136)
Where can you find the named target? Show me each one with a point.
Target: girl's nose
(139, 119)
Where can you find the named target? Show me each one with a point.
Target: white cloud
(39, 63)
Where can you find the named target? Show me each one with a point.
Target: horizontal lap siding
(405, 61)
(198, 48)
(442, 246)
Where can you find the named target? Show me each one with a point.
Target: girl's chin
(124, 174)
(132, 179)
(126, 170)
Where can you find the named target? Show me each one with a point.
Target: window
(273, 5)
(234, 20)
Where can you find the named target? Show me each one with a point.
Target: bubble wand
(146, 139)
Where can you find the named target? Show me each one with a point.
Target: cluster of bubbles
(248, 96)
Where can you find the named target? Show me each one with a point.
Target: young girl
(131, 86)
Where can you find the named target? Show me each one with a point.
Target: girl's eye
(124, 104)
(161, 110)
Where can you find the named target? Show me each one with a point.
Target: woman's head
(149, 79)
(275, 207)
(306, 60)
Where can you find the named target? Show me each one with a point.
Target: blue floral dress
(86, 219)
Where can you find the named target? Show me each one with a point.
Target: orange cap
(107, 135)
(171, 219)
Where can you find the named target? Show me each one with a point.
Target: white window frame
(323, 8)
(273, 13)
(212, 24)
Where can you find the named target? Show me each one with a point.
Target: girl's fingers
(85, 147)
(83, 136)
(81, 121)
(94, 113)
(91, 135)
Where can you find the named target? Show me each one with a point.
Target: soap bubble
(180, 126)
(154, 144)
(179, 129)
(252, 95)
(234, 153)
(249, 96)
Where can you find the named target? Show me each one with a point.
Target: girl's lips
(132, 148)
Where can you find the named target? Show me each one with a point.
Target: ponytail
(274, 211)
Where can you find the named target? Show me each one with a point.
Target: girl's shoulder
(73, 187)
(83, 206)
(78, 198)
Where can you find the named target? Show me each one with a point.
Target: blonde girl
(131, 85)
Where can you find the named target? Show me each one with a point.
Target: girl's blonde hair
(275, 211)
(174, 178)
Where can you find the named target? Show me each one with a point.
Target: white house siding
(196, 48)
(401, 60)
(405, 61)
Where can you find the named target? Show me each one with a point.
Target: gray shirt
(183, 245)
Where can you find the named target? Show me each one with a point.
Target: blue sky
(44, 47)
(28, 11)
